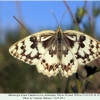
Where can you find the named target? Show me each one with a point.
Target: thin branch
(90, 19)
(72, 15)
(22, 24)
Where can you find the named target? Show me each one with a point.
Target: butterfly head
(59, 30)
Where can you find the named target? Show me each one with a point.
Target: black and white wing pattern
(78, 49)
(84, 48)
(54, 52)
(35, 50)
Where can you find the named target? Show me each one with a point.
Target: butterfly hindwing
(49, 63)
(69, 63)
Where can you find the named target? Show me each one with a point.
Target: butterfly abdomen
(59, 46)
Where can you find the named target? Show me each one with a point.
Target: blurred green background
(18, 77)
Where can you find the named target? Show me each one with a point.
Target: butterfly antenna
(55, 17)
(22, 24)
(63, 17)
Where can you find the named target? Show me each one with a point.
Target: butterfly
(53, 52)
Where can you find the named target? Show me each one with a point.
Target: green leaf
(80, 14)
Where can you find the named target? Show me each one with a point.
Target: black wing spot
(81, 45)
(71, 61)
(16, 47)
(82, 38)
(34, 45)
(33, 39)
(22, 47)
(43, 61)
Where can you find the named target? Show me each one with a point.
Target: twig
(72, 15)
(22, 25)
(90, 19)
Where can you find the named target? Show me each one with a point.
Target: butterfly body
(57, 51)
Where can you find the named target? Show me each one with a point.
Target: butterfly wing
(49, 62)
(83, 47)
(38, 49)
(41, 49)
(69, 63)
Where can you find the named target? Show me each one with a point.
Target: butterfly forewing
(84, 48)
(32, 48)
